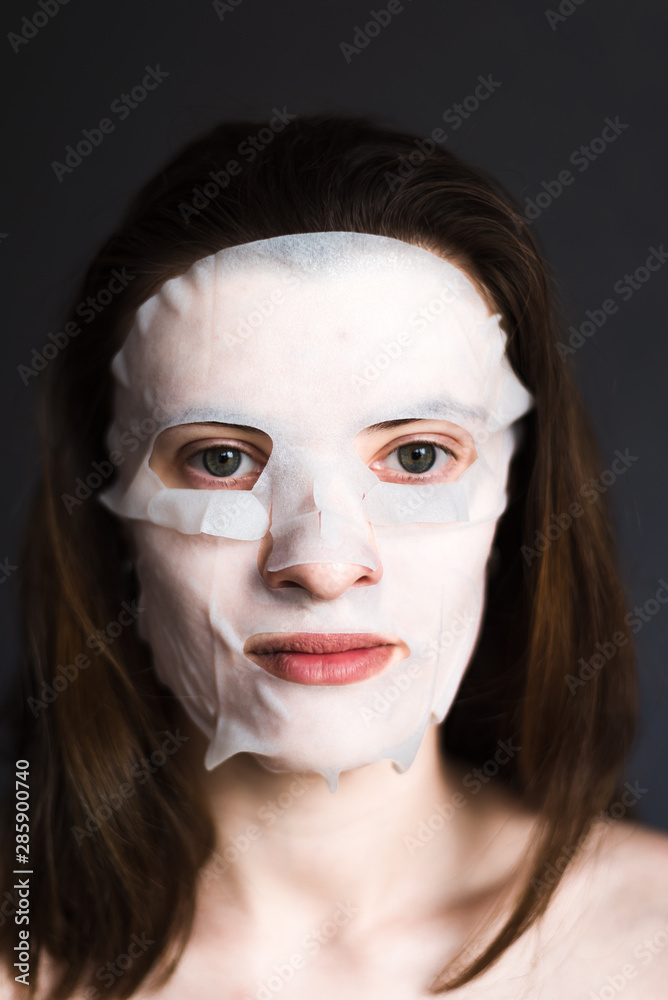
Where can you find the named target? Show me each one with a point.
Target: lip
(325, 658)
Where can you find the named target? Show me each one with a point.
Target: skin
(414, 910)
(316, 895)
(405, 915)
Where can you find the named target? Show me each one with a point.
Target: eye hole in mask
(226, 462)
(205, 457)
(236, 484)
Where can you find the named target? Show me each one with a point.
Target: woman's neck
(383, 843)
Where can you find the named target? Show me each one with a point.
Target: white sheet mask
(312, 339)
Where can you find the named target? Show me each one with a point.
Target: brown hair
(552, 597)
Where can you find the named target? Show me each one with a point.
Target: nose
(324, 580)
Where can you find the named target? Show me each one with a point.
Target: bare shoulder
(613, 910)
(634, 859)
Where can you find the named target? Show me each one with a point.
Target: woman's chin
(335, 755)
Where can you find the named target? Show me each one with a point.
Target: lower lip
(347, 667)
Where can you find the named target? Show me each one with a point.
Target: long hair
(104, 874)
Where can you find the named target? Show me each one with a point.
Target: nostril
(326, 581)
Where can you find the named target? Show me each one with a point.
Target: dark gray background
(558, 84)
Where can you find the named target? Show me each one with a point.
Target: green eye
(221, 461)
(416, 457)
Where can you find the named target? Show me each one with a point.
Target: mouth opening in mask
(325, 658)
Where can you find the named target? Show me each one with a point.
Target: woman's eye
(224, 461)
(221, 461)
(416, 458)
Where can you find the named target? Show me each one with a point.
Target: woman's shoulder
(612, 909)
(605, 931)
(632, 860)
(606, 926)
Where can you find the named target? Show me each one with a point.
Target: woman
(322, 408)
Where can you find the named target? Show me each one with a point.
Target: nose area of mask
(316, 509)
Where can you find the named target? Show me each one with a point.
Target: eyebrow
(386, 425)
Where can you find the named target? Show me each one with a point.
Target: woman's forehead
(358, 274)
(260, 334)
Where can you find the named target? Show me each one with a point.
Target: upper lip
(316, 642)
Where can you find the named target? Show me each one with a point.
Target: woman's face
(313, 517)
